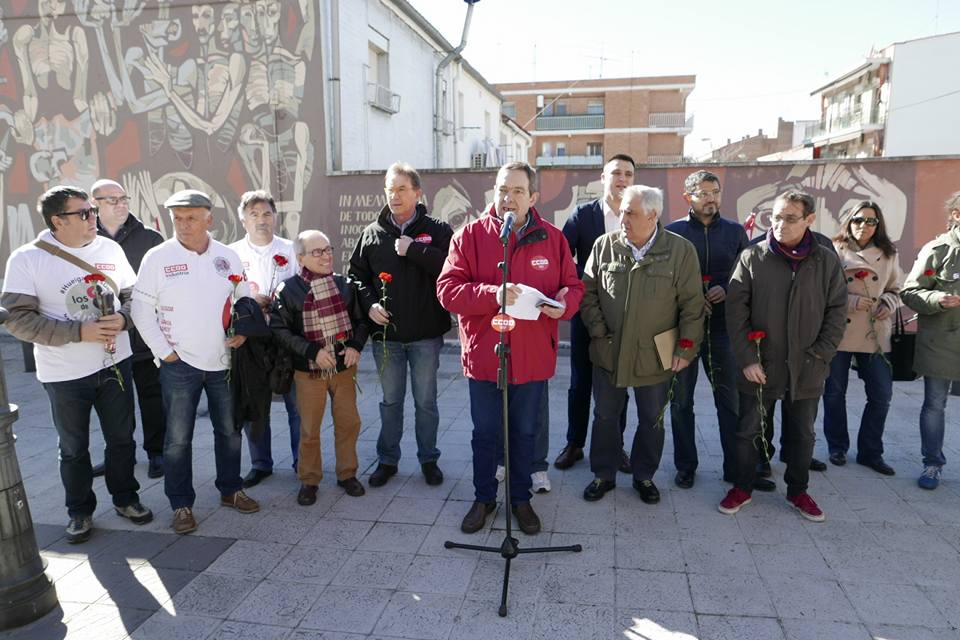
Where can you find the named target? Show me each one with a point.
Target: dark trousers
(797, 439)
(605, 443)
(725, 399)
(581, 386)
(878, 383)
(70, 404)
(486, 408)
(146, 378)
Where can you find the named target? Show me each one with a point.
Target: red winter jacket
(468, 286)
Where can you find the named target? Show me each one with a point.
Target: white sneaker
(541, 482)
(500, 472)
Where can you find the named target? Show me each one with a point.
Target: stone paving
(885, 564)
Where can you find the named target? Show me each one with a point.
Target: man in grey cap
(181, 305)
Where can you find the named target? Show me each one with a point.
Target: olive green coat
(627, 302)
(938, 330)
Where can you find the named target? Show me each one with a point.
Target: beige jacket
(881, 286)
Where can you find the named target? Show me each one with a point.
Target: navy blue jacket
(582, 229)
(718, 245)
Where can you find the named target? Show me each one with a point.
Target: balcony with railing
(566, 161)
(670, 121)
(850, 123)
(560, 123)
(380, 97)
(664, 159)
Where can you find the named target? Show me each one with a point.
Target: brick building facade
(580, 122)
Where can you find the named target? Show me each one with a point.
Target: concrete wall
(921, 118)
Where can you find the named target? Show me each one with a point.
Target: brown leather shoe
(477, 516)
(183, 521)
(307, 495)
(568, 457)
(527, 518)
(352, 487)
(241, 502)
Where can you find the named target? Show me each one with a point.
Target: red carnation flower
(341, 336)
(686, 343)
(279, 260)
(385, 277)
(756, 336)
(861, 275)
(94, 277)
(928, 272)
(235, 279)
(706, 279)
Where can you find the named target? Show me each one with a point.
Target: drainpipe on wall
(439, 106)
(336, 143)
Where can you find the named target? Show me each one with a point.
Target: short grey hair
(305, 235)
(651, 198)
(257, 196)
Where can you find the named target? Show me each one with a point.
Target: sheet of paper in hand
(525, 308)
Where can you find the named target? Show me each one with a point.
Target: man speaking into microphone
(470, 286)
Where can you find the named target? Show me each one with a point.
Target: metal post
(26, 593)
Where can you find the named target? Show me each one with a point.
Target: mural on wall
(159, 96)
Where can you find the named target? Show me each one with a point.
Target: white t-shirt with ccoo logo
(62, 294)
(182, 302)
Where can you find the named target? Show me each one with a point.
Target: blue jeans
(878, 383)
(725, 398)
(70, 404)
(935, 392)
(423, 357)
(261, 454)
(486, 408)
(181, 385)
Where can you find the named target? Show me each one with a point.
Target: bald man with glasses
(120, 225)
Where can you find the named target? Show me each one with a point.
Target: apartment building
(790, 135)
(580, 122)
(894, 104)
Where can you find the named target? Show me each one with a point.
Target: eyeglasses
(114, 200)
(786, 219)
(867, 221)
(700, 195)
(83, 213)
(319, 253)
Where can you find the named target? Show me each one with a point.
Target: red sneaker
(807, 507)
(735, 499)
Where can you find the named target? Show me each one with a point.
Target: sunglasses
(867, 221)
(83, 213)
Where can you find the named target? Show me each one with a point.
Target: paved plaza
(885, 564)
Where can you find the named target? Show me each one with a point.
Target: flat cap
(188, 198)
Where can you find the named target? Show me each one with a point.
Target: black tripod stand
(509, 548)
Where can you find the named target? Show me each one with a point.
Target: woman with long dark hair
(872, 270)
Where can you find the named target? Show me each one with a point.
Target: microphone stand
(510, 547)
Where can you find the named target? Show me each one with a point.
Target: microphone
(507, 227)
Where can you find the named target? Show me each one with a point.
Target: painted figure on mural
(275, 145)
(836, 188)
(53, 61)
(214, 80)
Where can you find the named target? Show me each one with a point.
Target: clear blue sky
(754, 60)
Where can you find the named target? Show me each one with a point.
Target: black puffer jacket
(415, 312)
(286, 319)
(135, 240)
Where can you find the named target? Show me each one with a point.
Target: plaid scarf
(797, 254)
(325, 315)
